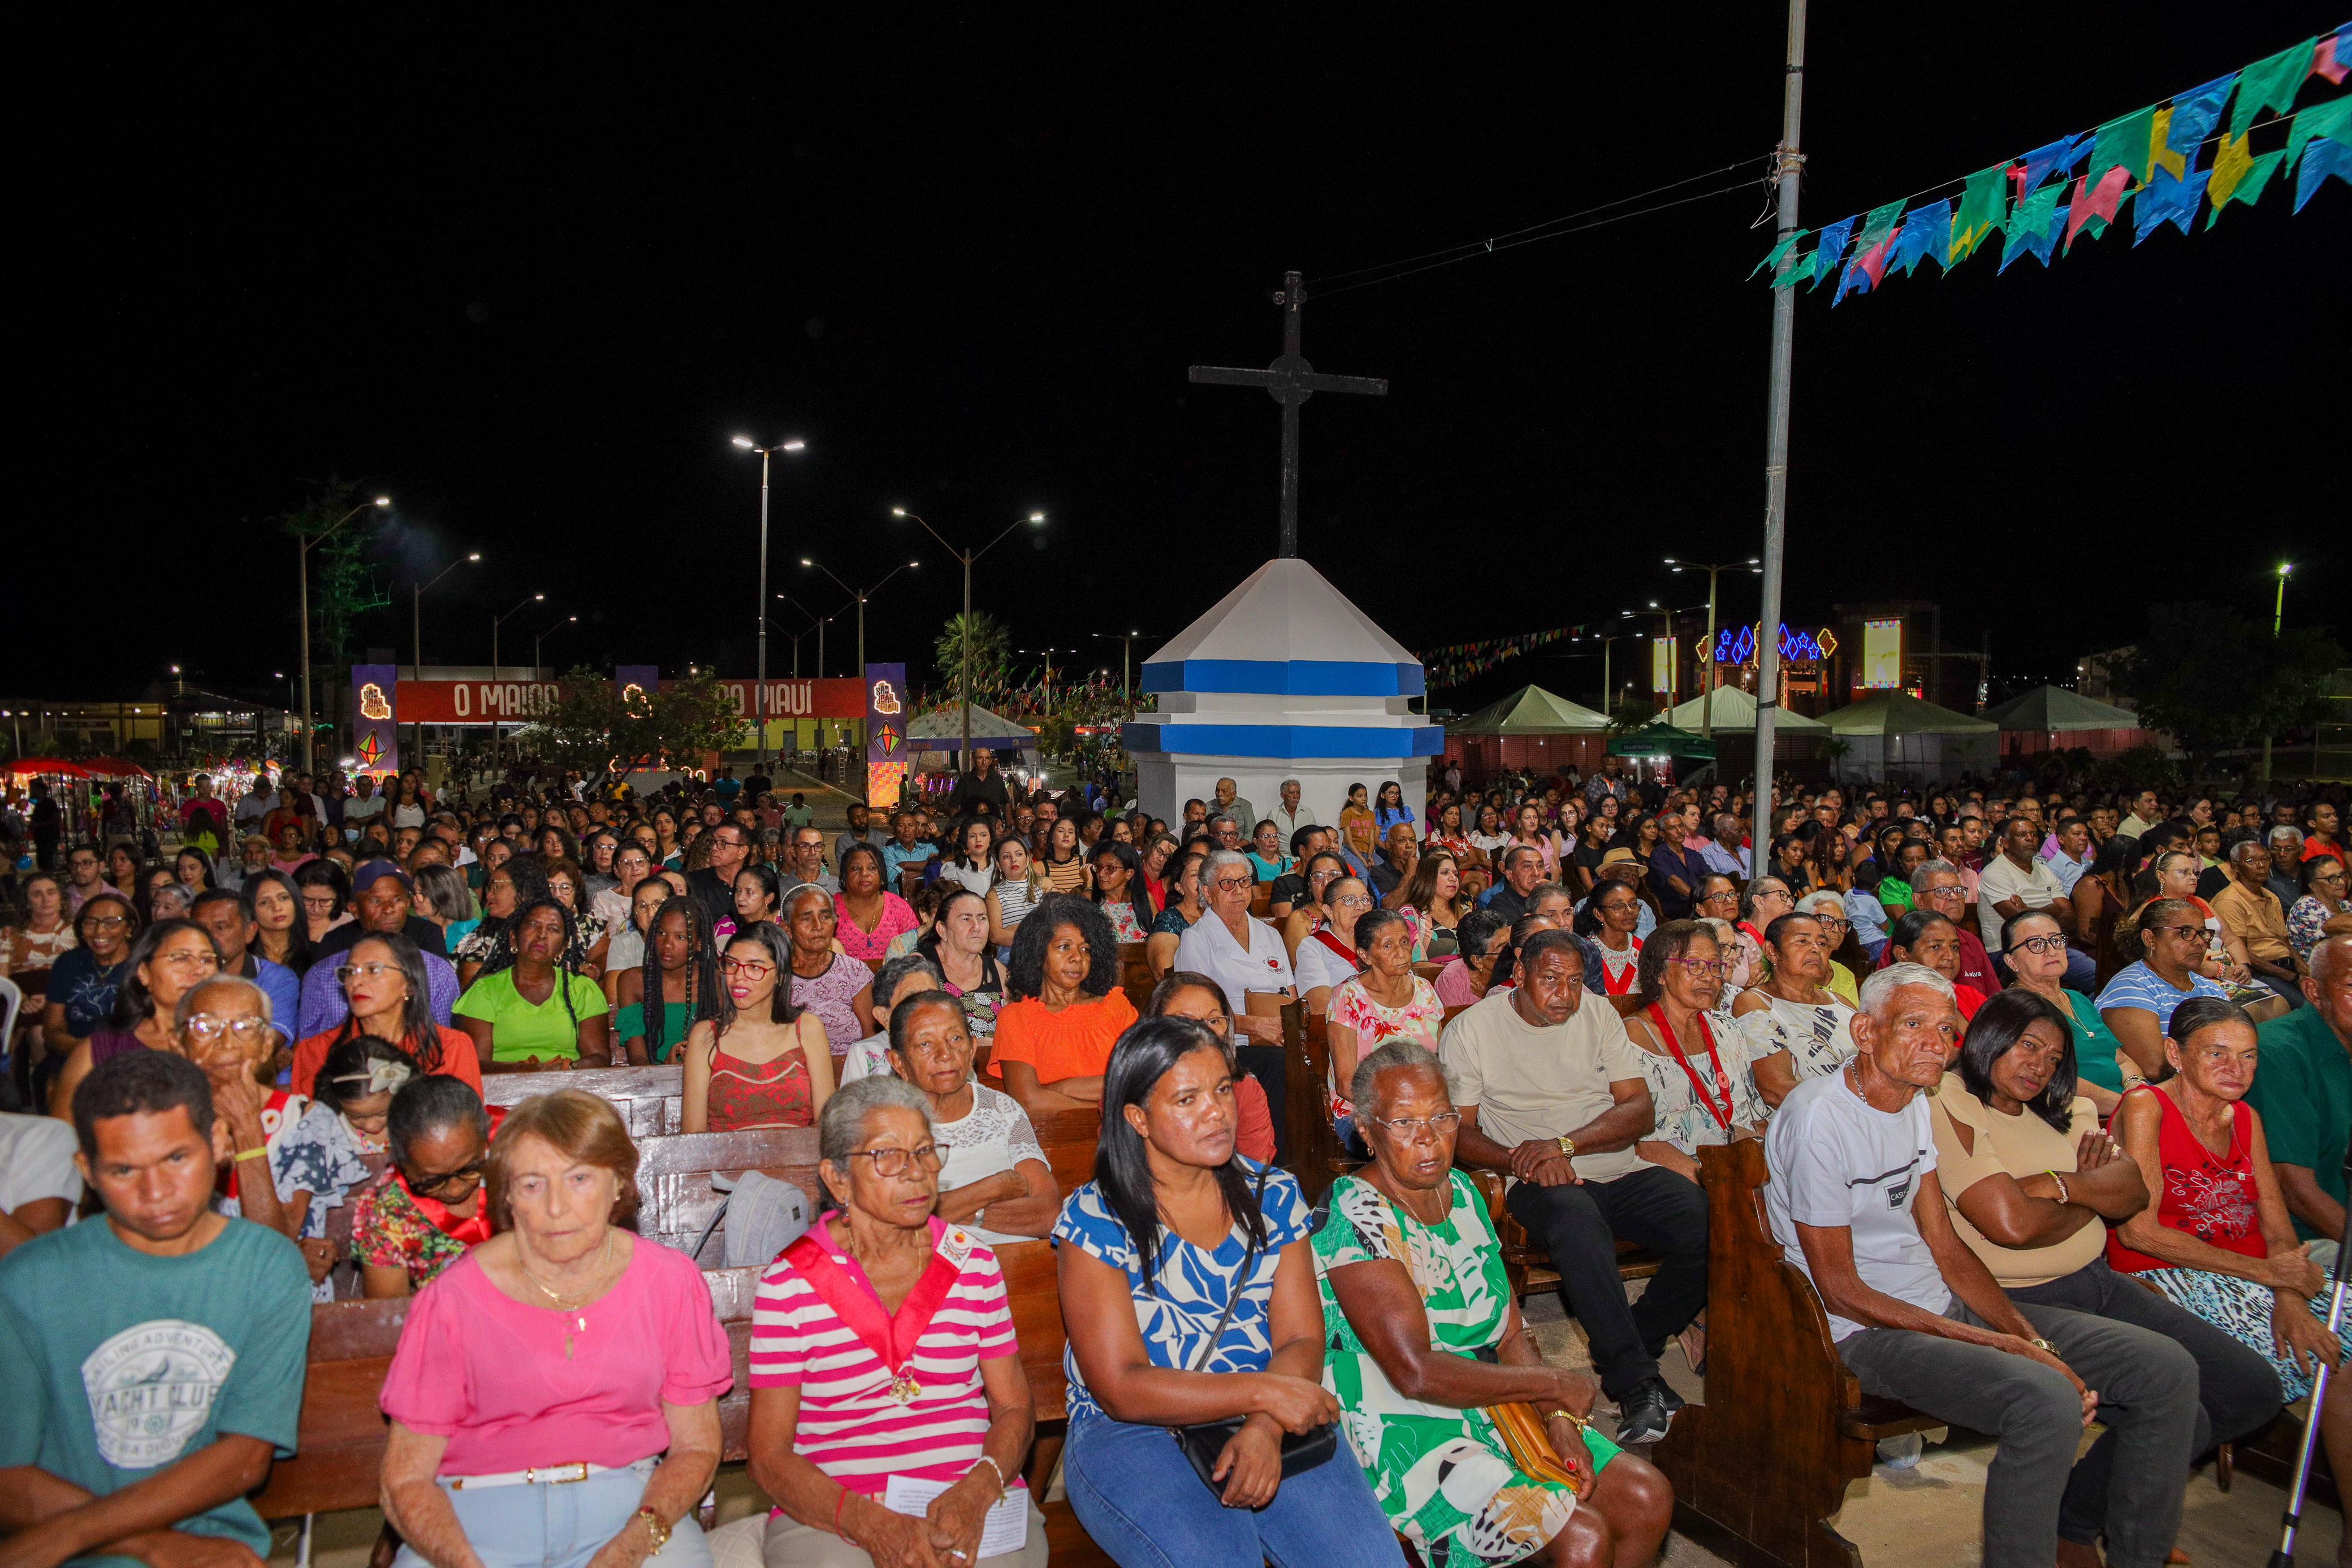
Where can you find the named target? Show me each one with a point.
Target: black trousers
(2237, 1392)
(1579, 1226)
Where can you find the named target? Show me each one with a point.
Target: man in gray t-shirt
(1855, 1204)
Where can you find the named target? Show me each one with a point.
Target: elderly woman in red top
(554, 1400)
(889, 1413)
(2215, 1236)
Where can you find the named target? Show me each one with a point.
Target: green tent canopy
(1735, 709)
(1663, 739)
(1895, 714)
(2056, 708)
(1531, 710)
(946, 724)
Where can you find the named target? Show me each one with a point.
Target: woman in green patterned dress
(1421, 1333)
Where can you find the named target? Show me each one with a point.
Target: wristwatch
(2043, 1345)
(1568, 1147)
(655, 1528)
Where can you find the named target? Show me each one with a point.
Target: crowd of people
(2054, 1090)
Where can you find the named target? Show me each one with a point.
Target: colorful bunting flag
(2100, 203)
(2167, 199)
(1983, 209)
(2332, 121)
(1924, 233)
(2124, 144)
(2058, 158)
(2033, 227)
(1783, 248)
(2238, 176)
(2321, 160)
(2271, 84)
(2193, 115)
(2325, 63)
(1831, 250)
(1869, 264)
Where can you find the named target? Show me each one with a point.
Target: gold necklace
(568, 1309)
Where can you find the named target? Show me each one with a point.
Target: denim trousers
(1136, 1493)
(1579, 1225)
(2147, 1386)
(560, 1525)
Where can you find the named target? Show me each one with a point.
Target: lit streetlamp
(1126, 653)
(1713, 571)
(861, 596)
(416, 635)
(537, 639)
(303, 543)
(963, 684)
(496, 622)
(2278, 624)
(760, 686)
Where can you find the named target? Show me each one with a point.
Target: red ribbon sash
(1610, 980)
(1323, 934)
(844, 1287)
(1722, 1118)
(470, 1231)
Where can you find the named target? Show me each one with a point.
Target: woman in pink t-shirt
(888, 1406)
(555, 1393)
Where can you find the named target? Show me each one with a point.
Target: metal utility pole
(416, 637)
(496, 622)
(760, 686)
(1126, 651)
(861, 596)
(2278, 624)
(1706, 704)
(303, 543)
(1787, 165)
(963, 684)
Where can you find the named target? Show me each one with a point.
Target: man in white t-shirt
(39, 1188)
(1855, 1205)
(1551, 1092)
(1243, 956)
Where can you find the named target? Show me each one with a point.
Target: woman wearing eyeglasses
(428, 1208)
(763, 1061)
(1331, 952)
(83, 982)
(383, 979)
(884, 1350)
(168, 961)
(2035, 945)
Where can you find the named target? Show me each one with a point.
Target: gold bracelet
(1573, 1419)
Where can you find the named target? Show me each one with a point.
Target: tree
(345, 587)
(2216, 680)
(591, 726)
(991, 648)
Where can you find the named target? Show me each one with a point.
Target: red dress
(2207, 1196)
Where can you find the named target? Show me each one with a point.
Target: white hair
(1880, 988)
(187, 1006)
(1219, 859)
(1827, 898)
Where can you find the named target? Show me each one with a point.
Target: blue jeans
(560, 1525)
(1133, 1490)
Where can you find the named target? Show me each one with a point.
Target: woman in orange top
(384, 979)
(1055, 1042)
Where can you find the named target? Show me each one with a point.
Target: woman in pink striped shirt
(889, 1413)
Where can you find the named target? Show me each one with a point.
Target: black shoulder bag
(1203, 1442)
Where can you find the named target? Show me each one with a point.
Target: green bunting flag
(2018, 199)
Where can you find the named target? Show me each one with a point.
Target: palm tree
(992, 645)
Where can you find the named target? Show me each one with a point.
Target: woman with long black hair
(680, 971)
(390, 995)
(1188, 1292)
(761, 1061)
(513, 883)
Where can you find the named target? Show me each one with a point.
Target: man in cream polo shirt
(1551, 1094)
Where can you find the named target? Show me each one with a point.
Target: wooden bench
(647, 1097)
(677, 1203)
(1763, 1465)
(342, 1435)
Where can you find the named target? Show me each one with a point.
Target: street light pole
(1126, 647)
(496, 622)
(861, 596)
(416, 636)
(1706, 705)
(303, 543)
(537, 639)
(1787, 164)
(2278, 624)
(759, 687)
(963, 693)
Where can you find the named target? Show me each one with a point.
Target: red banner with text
(521, 702)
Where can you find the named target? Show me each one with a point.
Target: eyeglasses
(107, 921)
(1832, 921)
(188, 960)
(427, 1185)
(350, 972)
(2039, 944)
(1413, 1129)
(1700, 966)
(210, 1027)
(1235, 884)
(2196, 931)
(750, 968)
(893, 1162)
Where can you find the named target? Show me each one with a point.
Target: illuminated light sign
(1882, 654)
(1738, 645)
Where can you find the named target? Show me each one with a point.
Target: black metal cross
(1290, 381)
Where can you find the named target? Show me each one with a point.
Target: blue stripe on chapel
(1286, 677)
(1283, 740)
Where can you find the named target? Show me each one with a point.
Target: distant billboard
(1881, 653)
(1662, 665)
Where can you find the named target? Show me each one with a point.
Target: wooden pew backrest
(647, 1097)
(675, 1201)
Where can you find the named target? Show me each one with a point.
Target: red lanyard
(1698, 1085)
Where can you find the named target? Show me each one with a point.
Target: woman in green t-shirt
(529, 1009)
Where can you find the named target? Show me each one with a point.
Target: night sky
(529, 277)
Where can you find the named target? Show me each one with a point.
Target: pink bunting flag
(2101, 203)
(2324, 62)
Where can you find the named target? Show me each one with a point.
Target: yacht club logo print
(151, 1388)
